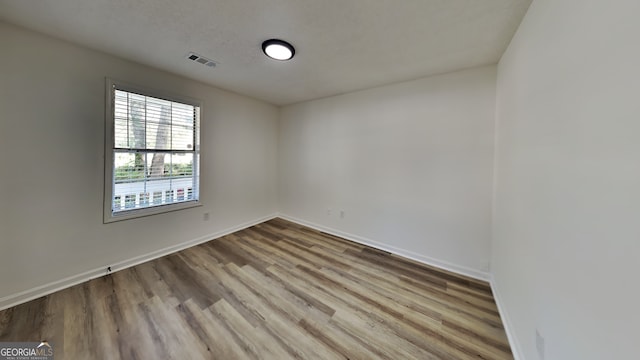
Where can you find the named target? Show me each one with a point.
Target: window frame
(109, 215)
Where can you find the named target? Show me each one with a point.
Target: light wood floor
(274, 291)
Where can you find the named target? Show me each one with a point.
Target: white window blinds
(154, 151)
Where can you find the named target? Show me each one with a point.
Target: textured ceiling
(341, 45)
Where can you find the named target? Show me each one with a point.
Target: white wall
(410, 164)
(51, 158)
(566, 248)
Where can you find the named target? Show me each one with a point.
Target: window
(152, 153)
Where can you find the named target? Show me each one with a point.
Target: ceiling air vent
(201, 59)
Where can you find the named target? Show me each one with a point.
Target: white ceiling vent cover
(201, 59)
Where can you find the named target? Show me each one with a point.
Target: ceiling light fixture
(278, 49)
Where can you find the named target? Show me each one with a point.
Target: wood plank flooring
(273, 291)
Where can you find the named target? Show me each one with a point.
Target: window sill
(109, 217)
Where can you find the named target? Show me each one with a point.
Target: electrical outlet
(328, 212)
(205, 216)
(540, 345)
(341, 214)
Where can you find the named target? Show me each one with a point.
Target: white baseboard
(508, 327)
(39, 291)
(462, 270)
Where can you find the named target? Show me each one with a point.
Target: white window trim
(109, 216)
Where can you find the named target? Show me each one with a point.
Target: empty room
(355, 179)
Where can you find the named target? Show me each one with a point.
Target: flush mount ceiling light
(278, 49)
